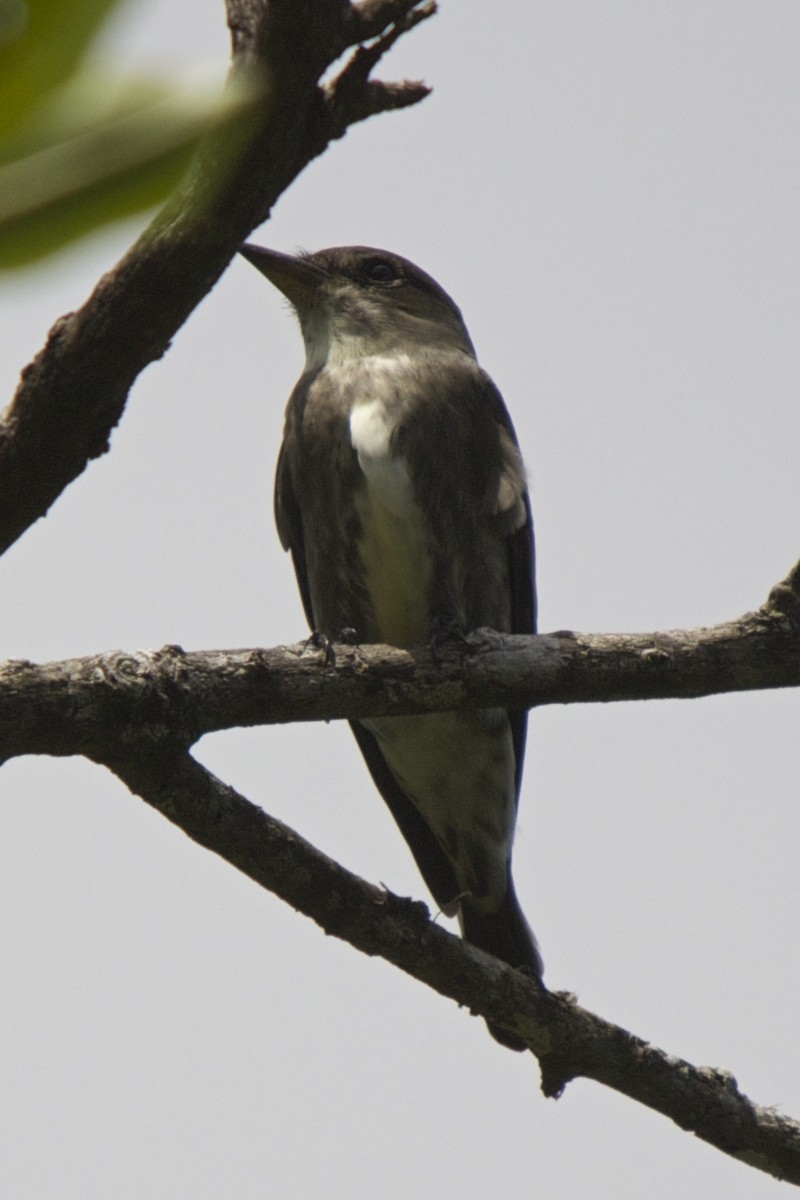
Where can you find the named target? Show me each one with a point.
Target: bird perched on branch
(401, 495)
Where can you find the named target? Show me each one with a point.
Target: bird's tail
(506, 934)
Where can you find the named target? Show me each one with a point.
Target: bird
(401, 495)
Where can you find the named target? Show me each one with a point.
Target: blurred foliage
(77, 148)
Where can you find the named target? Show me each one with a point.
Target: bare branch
(568, 1040)
(74, 392)
(371, 17)
(351, 92)
(171, 698)
(352, 97)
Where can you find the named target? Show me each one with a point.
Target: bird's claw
(320, 641)
(445, 630)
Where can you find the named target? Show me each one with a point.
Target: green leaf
(126, 158)
(41, 44)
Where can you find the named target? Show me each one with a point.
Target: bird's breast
(394, 543)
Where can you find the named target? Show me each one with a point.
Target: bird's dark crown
(378, 269)
(375, 281)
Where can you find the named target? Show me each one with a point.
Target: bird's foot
(446, 629)
(320, 641)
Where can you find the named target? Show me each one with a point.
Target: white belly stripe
(394, 547)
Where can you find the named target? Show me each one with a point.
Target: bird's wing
(290, 529)
(513, 509)
(521, 559)
(523, 620)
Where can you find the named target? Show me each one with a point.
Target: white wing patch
(394, 547)
(370, 433)
(511, 486)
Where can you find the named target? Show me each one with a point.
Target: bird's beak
(297, 278)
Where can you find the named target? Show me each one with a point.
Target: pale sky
(610, 192)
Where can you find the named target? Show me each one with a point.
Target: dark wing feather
(290, 529)
(521, 571)
(521, 575)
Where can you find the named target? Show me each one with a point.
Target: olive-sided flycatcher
(401, 495)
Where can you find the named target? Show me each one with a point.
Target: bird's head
(354, 301)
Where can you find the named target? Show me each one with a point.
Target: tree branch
(74, 392)
(170, 698)
(138, 714)
(568, 1040)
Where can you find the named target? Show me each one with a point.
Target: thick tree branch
(74, 392)
(169, 698)
(568, 1040)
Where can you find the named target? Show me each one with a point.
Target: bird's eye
(382, 271)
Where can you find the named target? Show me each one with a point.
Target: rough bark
(170, 698)
(74, 392)
(139, 713)
(568, 1041)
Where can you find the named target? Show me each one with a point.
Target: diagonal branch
(74, 392)
(568, 1040)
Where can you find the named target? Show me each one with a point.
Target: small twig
(365, 58)
(353, 97)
